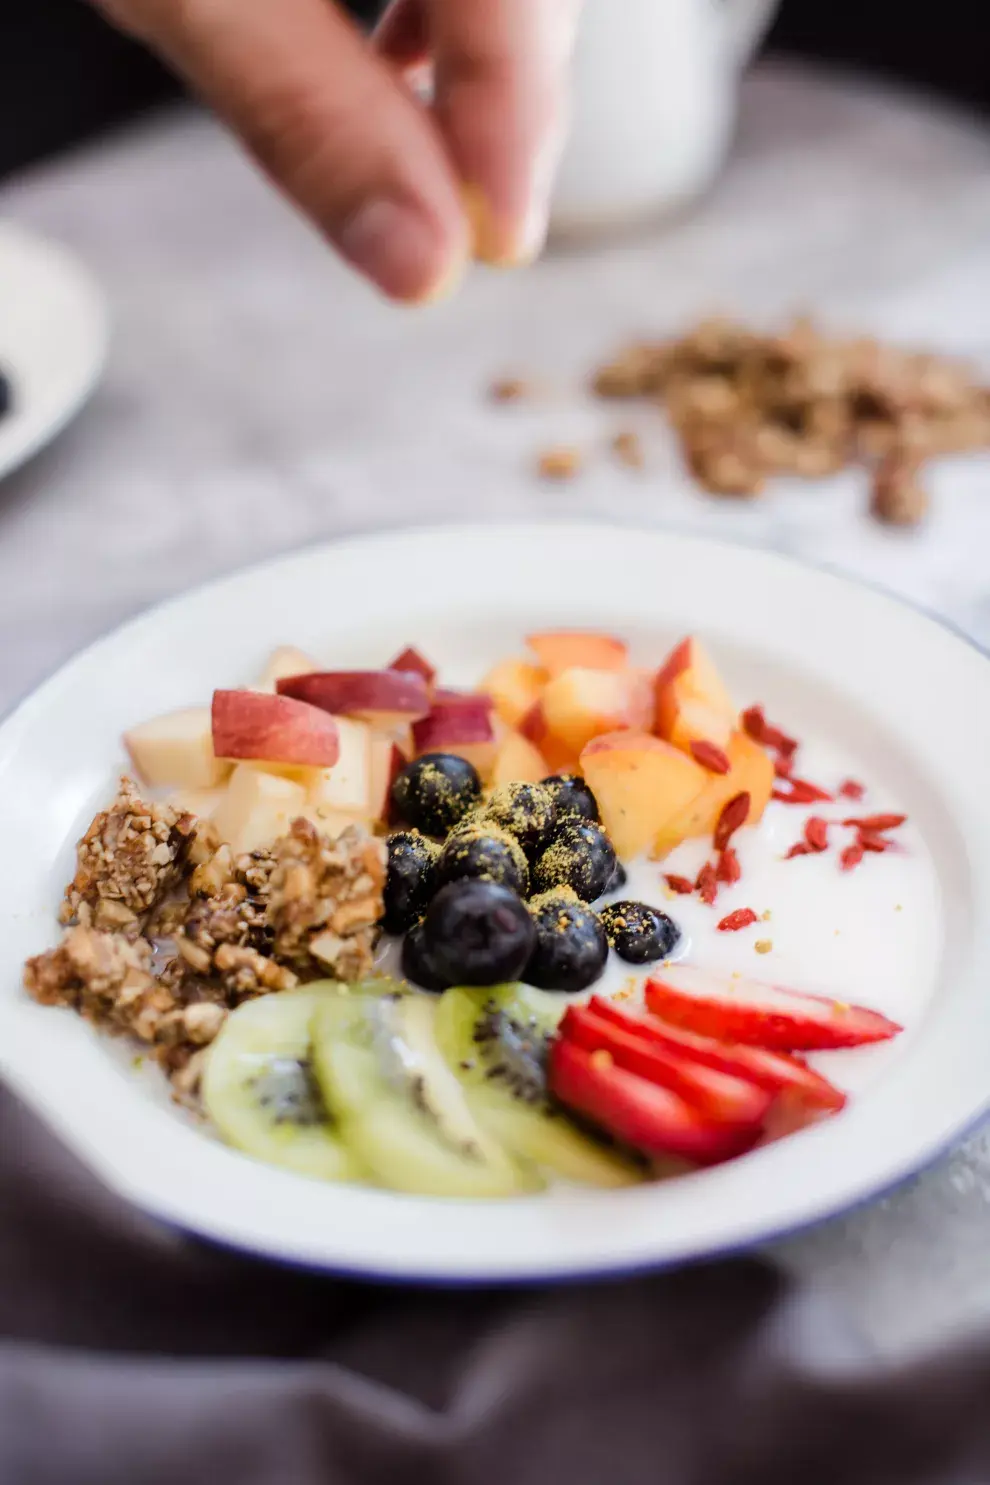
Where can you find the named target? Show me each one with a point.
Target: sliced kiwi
(402, 1111)
(261, 1091)
(496, 1042)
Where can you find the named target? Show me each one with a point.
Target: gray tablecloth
(132, 1356)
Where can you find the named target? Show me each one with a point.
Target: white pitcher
(655, 92)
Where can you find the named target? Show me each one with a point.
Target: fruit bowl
(783, 635)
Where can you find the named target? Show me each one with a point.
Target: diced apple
(518, 761)
(640, 783)
(387, 760)
(580, 704)
(461, 724)
(691, 700)
(257, 807)
(282, 663)
(751, 772)
(561, 649)
(347, 785)
(385, 698)
(515, 686)
(199, 802)
(176, 751)
(275, 729)
(410, 659)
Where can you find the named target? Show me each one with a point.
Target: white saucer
(53, 340)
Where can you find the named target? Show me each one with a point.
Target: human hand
(406, 191)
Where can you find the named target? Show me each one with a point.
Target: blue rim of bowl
(609, 1273)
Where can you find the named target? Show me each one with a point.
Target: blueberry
(418, 963)
(619, 878)
(571, 947)
(572, 796)
(482, 850)
(411, 880)
(478, 933)
(525, 811)
(6, 394)
(580, 855)
(435, 792)
(639, 933)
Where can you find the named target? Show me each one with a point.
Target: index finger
(501, 75)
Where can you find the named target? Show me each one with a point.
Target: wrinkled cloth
(131, 1355)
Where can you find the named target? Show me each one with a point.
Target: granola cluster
(747, 407)
(169, 930)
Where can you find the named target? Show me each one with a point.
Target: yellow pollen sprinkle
(766, 916)
(840, 1007)
(763, 945)
(601, 1058)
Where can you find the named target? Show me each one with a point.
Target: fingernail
(487, 241)
(397, 247)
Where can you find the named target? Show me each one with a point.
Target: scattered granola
(560, 463)
(509, 389)
(326, 898)
(627, 447)
(747, 407)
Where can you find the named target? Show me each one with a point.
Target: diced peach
(515, 686)
(176, 751)
(579, 704)
(257, 807)
(561, 649)
(518, 761)
(460, 723)
(751, 772)
(284, 662)
(640, 783)
(691, 700)
(411, 659)
(559, 758)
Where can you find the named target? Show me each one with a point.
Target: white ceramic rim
(54, 347)
(798, 621)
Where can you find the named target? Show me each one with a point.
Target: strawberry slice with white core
(720, 1096)
(761, 1015)
(641, 1114)
(774, 1071)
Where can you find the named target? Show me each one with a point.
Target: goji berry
(707, 883)
(681, 885)
(801, 792)
(871, 841)
(783, 765)
(741, 918)
(710, 756)
(876, 822)
(851, 789)
(728, 868)
(756, 726)
(816, 833)
(851, 856)
(735, 813)
(801, 848)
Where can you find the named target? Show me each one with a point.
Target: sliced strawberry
(775, 1071)
(744, 1010)
(728, 1099)
(639, 1113)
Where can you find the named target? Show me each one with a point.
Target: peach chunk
(691, 700)
(580, 704)
(561, 649)
(640, 783)
(751, 772)
(515, 686)
(559, 758)
(347, 785)
(518, 761)
(459, 723)
(176, 751)
(257, 807)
